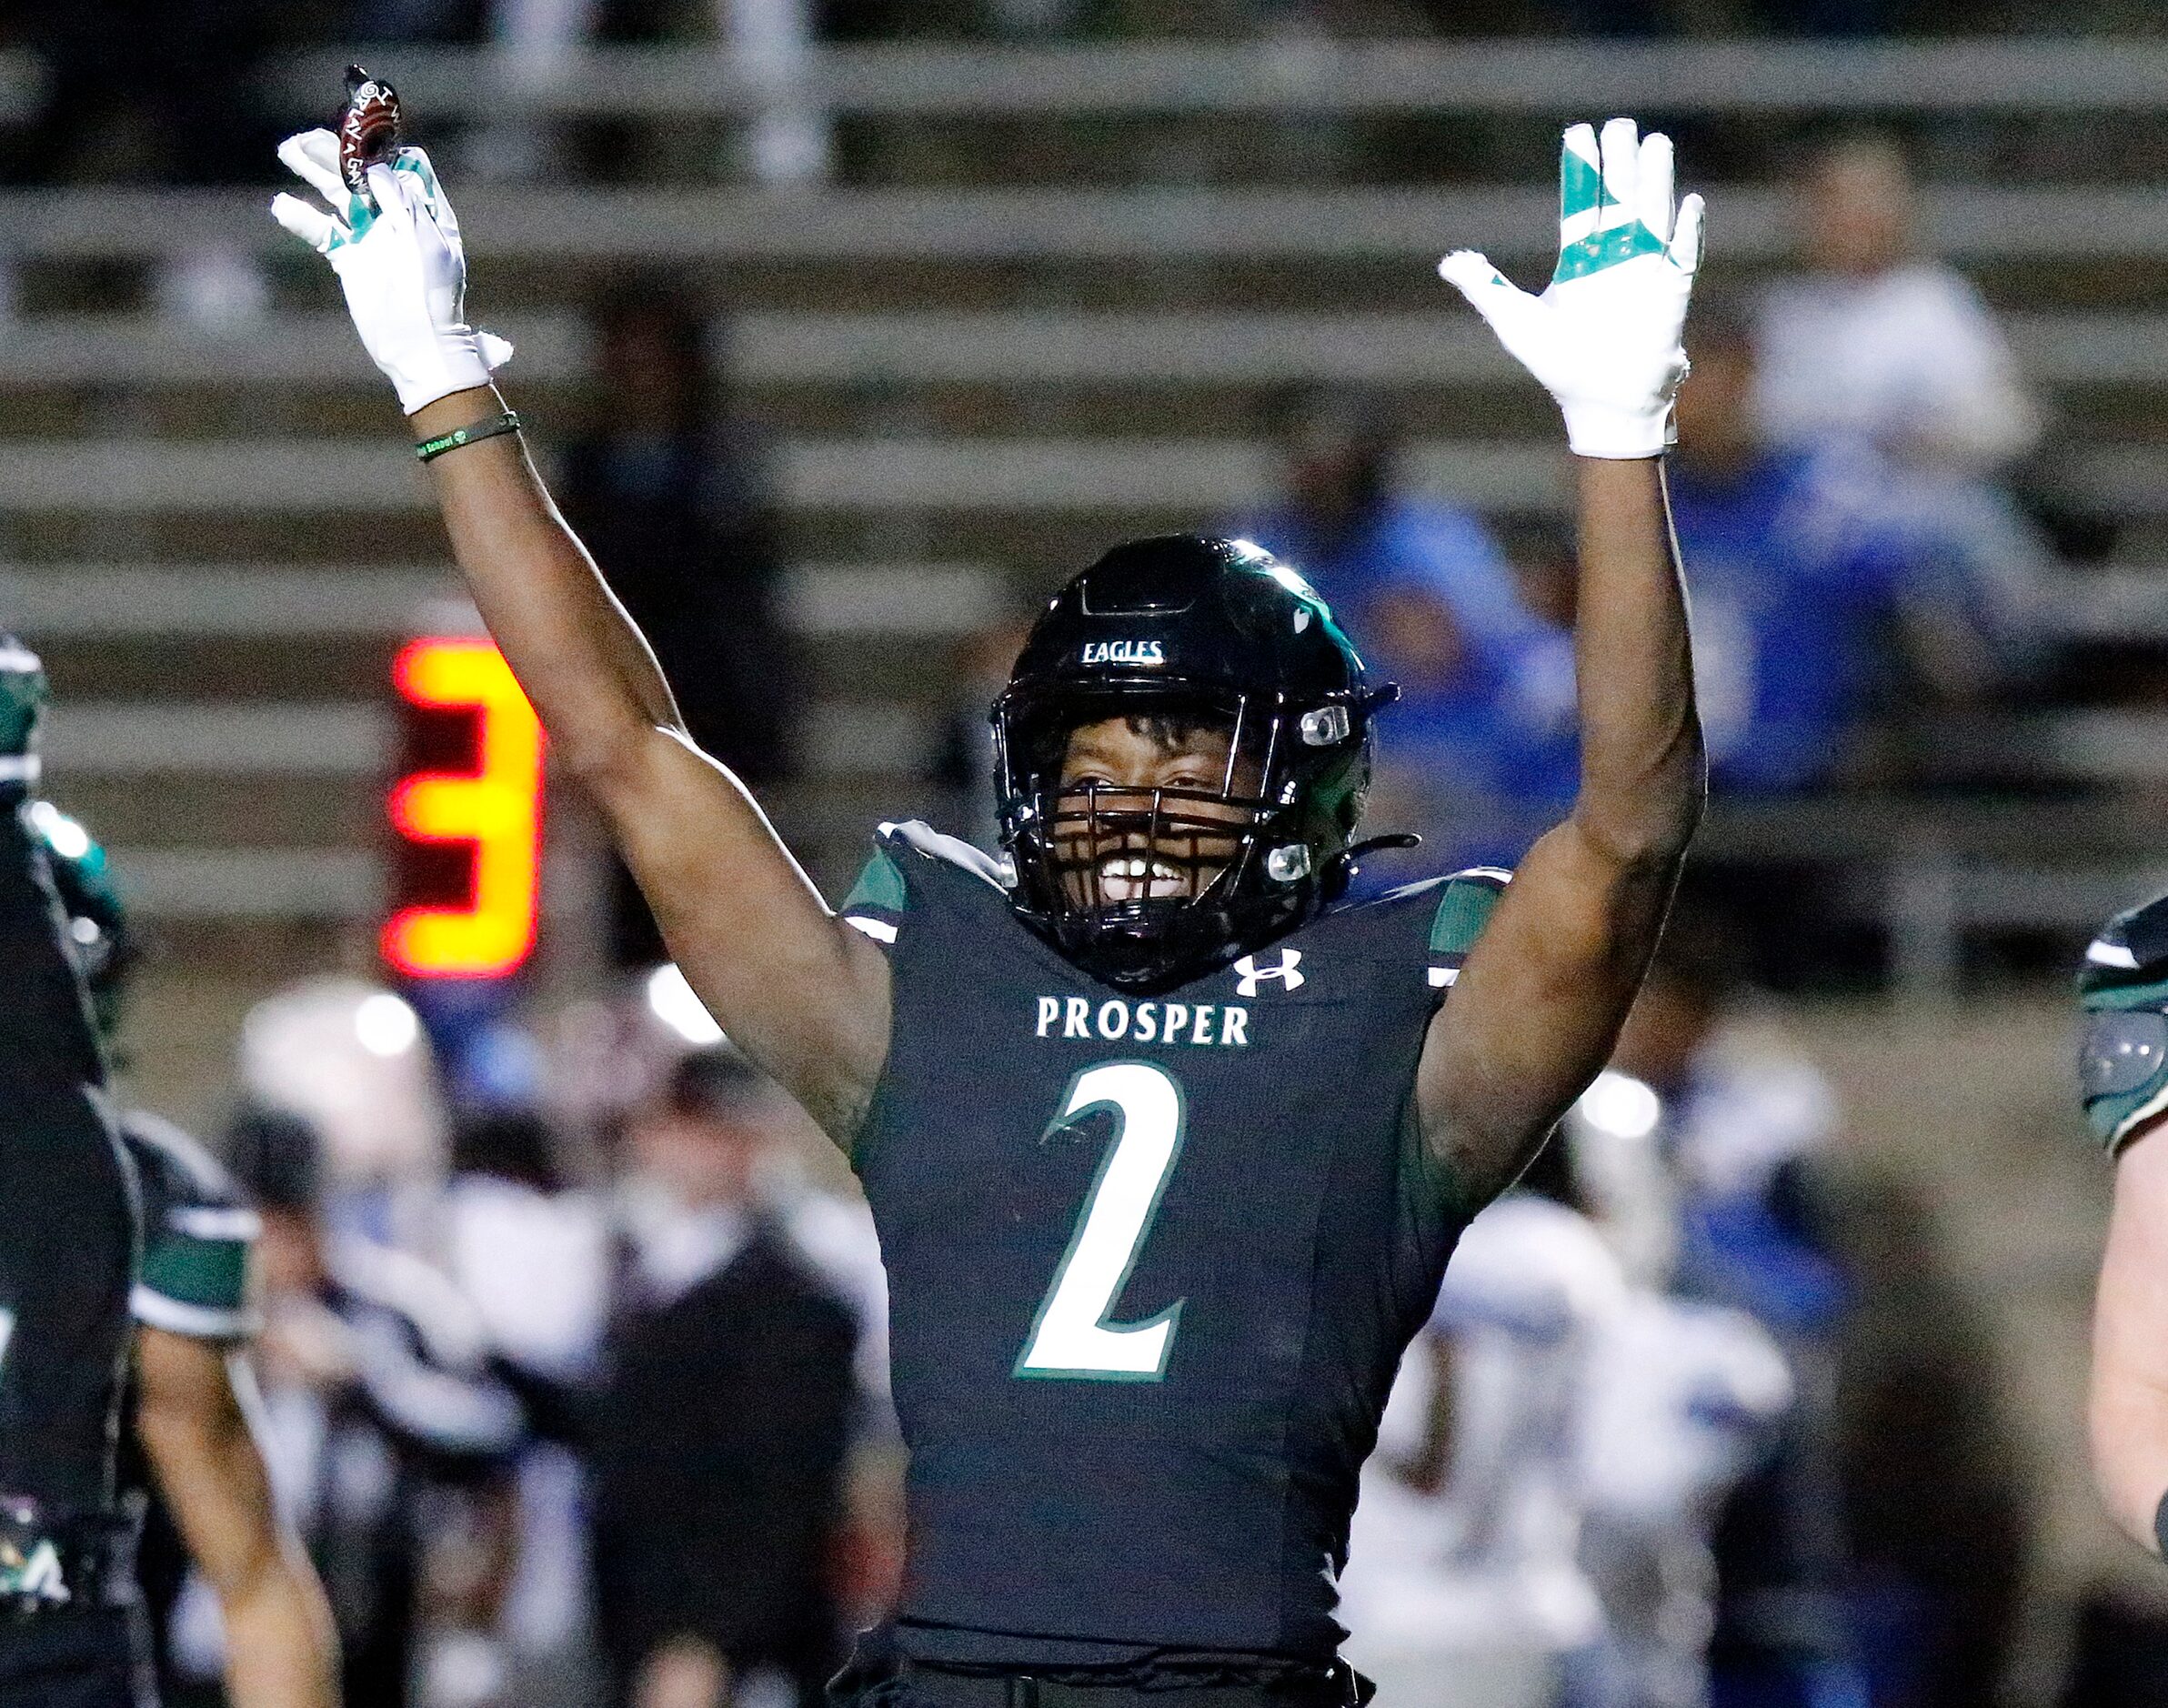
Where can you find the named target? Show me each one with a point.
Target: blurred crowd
(576, 1387)
(132, 92)
(1846, 490)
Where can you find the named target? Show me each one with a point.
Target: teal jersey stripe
(1463, 911)
(880, 885)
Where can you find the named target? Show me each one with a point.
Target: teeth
(1134, 878)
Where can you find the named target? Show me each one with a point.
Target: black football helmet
(1147, 886)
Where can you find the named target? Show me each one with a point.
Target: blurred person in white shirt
(1535, 1526)
(1875, 345)
(1873, 340)
(1463, 1585)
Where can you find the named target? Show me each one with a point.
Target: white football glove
(401, 267)
(1604, 337)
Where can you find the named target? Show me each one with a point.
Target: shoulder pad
(2127, 963)
(1465, 904)
(2123, 1055)
(951, 851)
(880, 899)
(178, 1172)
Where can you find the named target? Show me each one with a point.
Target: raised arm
(1539, 1004)
(806, 997)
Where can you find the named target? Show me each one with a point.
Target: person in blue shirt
(1485, 719)
(1815, 586)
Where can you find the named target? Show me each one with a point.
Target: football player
(1167, 1143)
(69, 1235)
(2122, 1070)
(193, 1395)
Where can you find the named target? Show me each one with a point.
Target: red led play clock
(468, 810)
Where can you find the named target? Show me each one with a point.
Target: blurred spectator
(1536, 1523)
(532, 1253)
(145, 93)
(1877, 1550)
(378, 1407)
(1463, 1553)
(352, 1060)
(1811, 581)
(1876, 342)
(1873, 345)
(962, 763)
(718, 1437)
(669, 492)
(785, 142)
(1480, 752)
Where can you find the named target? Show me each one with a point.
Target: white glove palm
(400, 265)
(1604, 337)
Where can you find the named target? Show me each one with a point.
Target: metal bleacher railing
(878, 477)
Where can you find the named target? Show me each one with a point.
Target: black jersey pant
(70, 1658)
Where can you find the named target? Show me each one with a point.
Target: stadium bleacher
(217, 538)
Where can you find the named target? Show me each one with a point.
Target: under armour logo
(1252, 975)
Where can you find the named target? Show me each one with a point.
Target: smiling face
(1118, 840)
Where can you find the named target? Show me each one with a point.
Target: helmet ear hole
(1325, 726)
(1287, 865)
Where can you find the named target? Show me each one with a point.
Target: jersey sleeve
(197, 1233)
(2122, 1053)
(1465, 905)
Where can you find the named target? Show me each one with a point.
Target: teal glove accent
(1587, 207)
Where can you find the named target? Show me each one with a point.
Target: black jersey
(67, 1212)
(1152, 1263)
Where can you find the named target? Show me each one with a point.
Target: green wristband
(486, 429)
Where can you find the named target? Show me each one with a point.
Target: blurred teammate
(2122, 1070)
(68, 1236)
(193, 1392)
(1167, 1149)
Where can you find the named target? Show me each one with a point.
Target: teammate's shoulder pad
(2126, 965)
(2123, 1055)
(198, 1229)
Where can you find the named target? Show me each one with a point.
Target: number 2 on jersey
(1072, 1337)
